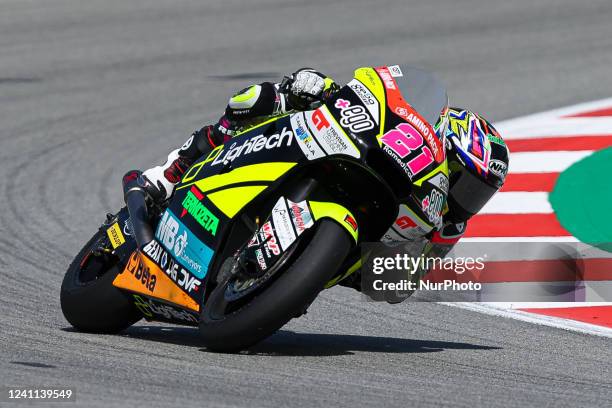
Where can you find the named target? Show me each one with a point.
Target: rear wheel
(88, 298)
(231, 323)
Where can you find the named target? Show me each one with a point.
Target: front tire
(288, 296)
(88, 298)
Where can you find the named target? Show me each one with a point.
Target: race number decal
(400, 107)
(402, 141)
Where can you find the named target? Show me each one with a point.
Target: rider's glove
(308, 88)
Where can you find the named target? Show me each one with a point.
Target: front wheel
(286, 297)
(88, 298)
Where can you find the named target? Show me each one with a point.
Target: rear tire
(96, 305)
(286, 297)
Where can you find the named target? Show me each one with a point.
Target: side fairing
(174, 267)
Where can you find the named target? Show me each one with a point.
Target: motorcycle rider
(477, 155)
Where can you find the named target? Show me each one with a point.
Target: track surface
(91, 89)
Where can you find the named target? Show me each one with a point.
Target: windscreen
(423, 91)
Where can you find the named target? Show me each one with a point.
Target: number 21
(405, 139)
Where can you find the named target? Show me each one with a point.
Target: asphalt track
(91, 89)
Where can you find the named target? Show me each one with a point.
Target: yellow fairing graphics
(254, 172)
(371, 80)
(231, 200)
(337, 213)
(442, 168)
(349, 272)
(260, 124)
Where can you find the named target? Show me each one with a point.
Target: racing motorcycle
(260, 226)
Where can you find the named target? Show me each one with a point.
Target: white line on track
(519, 239)
(544, 162)
(551, 123)
(550, 128)
(543, 305)
(518, 203)
(564, 324)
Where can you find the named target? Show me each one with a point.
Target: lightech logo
(183, 245)
(192, 205)
(255, 144)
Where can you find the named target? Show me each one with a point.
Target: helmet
(477, 162)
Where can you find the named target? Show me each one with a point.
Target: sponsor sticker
(141, 272)
(432, 206)
(150, 309)
(428, 132)
(407, 226)
(496, 139)
(395, 71)
(440, 181)
(174, 270)
(192, 205)
(367, 98)
(300, 215)
(329, 135)
(115, 236)
(187, 143)
(260, 259)
(498, 167)
(304, 138)
(283, 224)
(183, 244)
(270, 239)
(386, 77)
(127, 227)
(354, 117)
(351, 222)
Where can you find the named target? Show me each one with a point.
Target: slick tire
(95, 305)
(286, 297)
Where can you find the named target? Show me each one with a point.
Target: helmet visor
(470, 192)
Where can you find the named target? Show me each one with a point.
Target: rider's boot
(161, 180)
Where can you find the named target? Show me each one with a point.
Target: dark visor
(470, 192)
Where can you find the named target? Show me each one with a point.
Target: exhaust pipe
(135, 195)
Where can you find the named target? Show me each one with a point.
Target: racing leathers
(303, 90)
